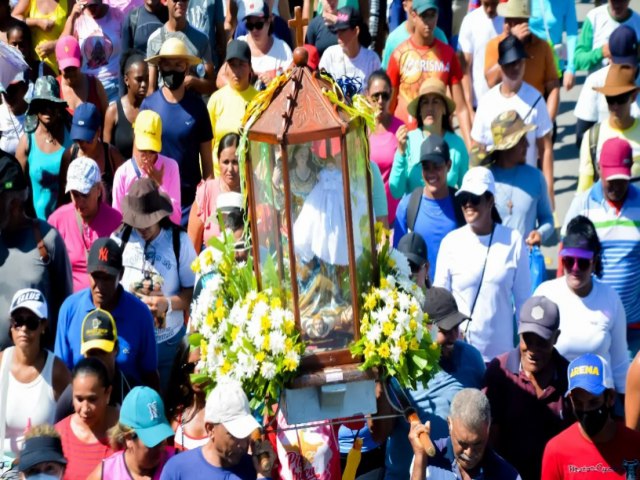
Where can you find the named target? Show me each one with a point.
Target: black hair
(234, 220)
(446, 118)
(581, 226)
(495, 216)
(364, 35)
(92, 366)
(379, 75)
(129, 58)
(21, 27)
(231, 139)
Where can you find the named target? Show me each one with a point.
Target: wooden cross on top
(297, 23)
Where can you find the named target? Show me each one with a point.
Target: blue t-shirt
(434, 220)
(136, 336)
(192, 465)
(465, 369)
(185, 125)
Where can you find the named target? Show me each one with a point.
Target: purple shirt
(128, 173)
(65, 220)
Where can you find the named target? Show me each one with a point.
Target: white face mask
(43, 476)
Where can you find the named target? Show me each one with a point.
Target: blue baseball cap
(143, 410)
(623, 44)
(86, 122)
(420, 6)
(591, 373)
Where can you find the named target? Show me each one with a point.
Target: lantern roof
(299, 111)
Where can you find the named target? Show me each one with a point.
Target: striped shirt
(619, 233)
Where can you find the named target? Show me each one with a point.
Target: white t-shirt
(506, 283)
(475, 32)
(593, 324)
(493, 103)
(341, 67)
(592, 105)
(11, 129)
(603, 25)
(160, 262)
(277, 60)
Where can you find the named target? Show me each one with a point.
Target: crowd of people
(119, 147)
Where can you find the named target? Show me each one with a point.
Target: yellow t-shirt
(631, 135)
(59, 17)
(226, 109)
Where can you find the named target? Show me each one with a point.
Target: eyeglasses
(385, 96)
(255, 26)
(570, 262)
(618, 99)
(30, 321)
(466, 197)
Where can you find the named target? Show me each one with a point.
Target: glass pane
(320, 235)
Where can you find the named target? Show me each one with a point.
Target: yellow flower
(203, 348)
(402, 343)
(288, 326)
(195, 266)
(370, 302)
(234, 333)
(265, 343)
(414, 344)
(220, 312)
(383, 283)
(369, 350)
(413, 325)
(276, 303)
(210, 319)
(265, 322)
(384, 351)
(413, 309)
(290, 364)
(434, 346)
(226, 367)
(288, 345)
(260, 356)
(207, 257)
(387, 328)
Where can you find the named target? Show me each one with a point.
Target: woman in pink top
(141, 438)
(86, 218)
(383, 142)
(203, 221)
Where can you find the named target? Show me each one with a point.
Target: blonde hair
(118, 435)
(44, 430)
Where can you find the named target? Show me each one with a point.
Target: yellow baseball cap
(98, 331)
(147, 131)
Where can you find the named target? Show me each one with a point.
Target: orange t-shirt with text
(540, 67)
(411, 64)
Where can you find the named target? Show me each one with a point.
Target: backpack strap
(457, 210)
(413, 207)
(125, 233)
(594, 133)
(175, 233)
(42, 248)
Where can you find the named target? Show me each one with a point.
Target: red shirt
(82, 457)
(570, 455)
(410, 65)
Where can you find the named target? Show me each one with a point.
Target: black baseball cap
(510, 50)
(434, 149)
(42, 449)
(413, 246)
(346, 18)
(442, 309)
(11, 175)
(105, 256)
(539, 315)
(238, 49)
(623, 45)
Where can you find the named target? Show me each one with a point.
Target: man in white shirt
(592, 107)
(513, 93)
(478, 27)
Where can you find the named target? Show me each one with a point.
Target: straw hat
(507, 129)
(620, 80)
(174, 48)
(431, 85)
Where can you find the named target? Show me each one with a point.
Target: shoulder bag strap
(412, 209)
(484, 267)
(531, 109)
(594, 133)
(135, 167)
(42, 248)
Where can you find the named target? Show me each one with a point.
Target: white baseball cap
(477, 181)
(82, 175)
(227, 404)
(31, 299)
(255, 8)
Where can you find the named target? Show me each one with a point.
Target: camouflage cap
(46, 88)
(507, 129)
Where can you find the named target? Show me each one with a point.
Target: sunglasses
(255, 26)
(30, 321)
(618, 99)
(570, 262)
(188, 367)
(467, 197)
(385, 96)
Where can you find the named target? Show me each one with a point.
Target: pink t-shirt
(382, 148)
(206, 198)
(127, 174)
(114, 467)
(78, 245)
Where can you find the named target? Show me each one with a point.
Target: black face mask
(173, 79)
(593, 421)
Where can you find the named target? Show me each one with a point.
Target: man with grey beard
(32, 252)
